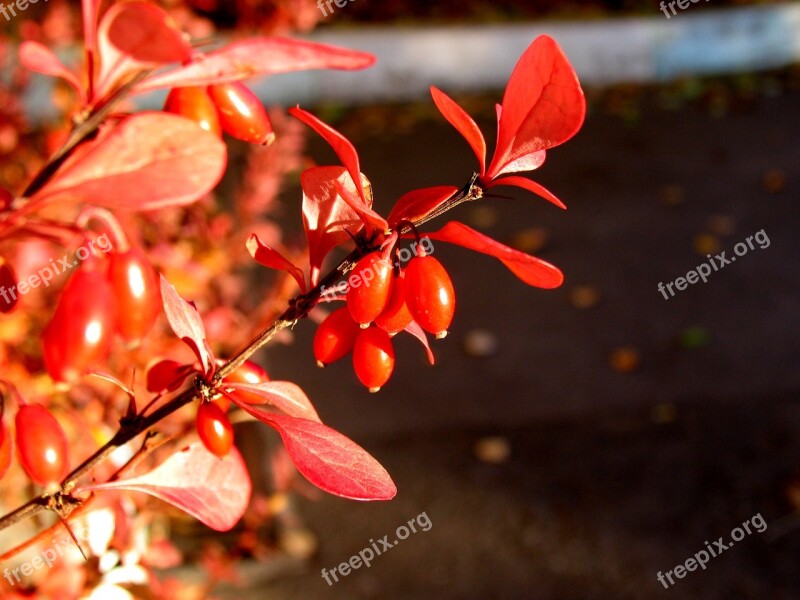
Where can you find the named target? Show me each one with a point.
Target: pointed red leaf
(414, 329)
(543, 105)
(187, 325)
(134, 36)
(341, 145)
(167, 376)
(286, 396)
(112, 380)
(272, 259)
(327, 218)
(527, 184)
(90, 10)
(463, 123)
(258, 56)
(371, 219)
(329, 460)
(150, 160)
(39, 58)
(529, 269)
(215, 491)
(414, 205)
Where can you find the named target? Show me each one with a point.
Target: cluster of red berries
(382, 300)
(103, 297)
(41, 445)
(229, 107)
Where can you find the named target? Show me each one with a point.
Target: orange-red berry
(373, 358)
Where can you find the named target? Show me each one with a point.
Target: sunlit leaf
(414, 329)
(272, 259)
(134, 36)
(187, 325)
(41, 59)
(463, 123)
(543, 106)
(328, 220)
(328, 459)
(215, 491)
(527, 184)
(529, 269)
(258, 56)
(150, 160)
(416, 204)
(341, 145)
(286, 396)
(167, 376)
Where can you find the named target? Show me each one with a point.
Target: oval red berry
(194, 103)
(335, 337)
(373, 358)
(214, 429)
(395, 317)
(79, 334)
(430, 295)
(369, 285)
(241, 113)
(250, 373)
(136, 291)
(42, 444)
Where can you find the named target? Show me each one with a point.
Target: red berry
(194, 103)
(136, 291)
(8, 281)
(335, 337)
(369, 287)
(241, 113)
(214, 429)
(6, 442)
(250, 373)
(373, 358)
(42, 444)
(79, 334)
(395, 317)
(430, 296)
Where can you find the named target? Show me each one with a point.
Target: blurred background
(569, 443)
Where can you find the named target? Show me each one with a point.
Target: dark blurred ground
(615, 471)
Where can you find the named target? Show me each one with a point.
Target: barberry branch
(299, 308)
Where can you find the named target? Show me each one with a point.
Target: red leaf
(543, 106)
(327, 218)
(258, 56)
(414, 329)
(371, 219)
(414, 205)
(527, 184)
(529, 269)
(215, 491)
(341, 145)
(272, 259)
(283, 395)
(167, 376)
(329, 460)
(39, 58)
(187, 325)
(134, 36)
(112, 380)
(464, 124)
(90, 9)
(150, 160)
